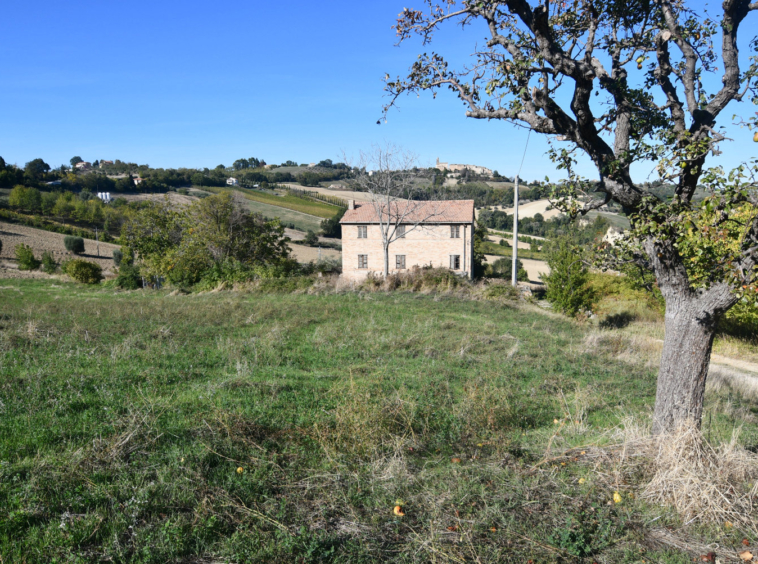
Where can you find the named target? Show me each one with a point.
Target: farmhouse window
(400, 262)
(400, 231)
(362, 261)
(455, 231)
(362, 231)
(455, 262)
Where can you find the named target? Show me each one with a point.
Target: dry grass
(630, 348)
(725, 378)
(703, 483)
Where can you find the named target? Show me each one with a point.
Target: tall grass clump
(423, 279)
(25, 257)
(702, 482)
(49, 264)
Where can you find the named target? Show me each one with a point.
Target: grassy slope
(126, 415)
(301, 221)
(303, 205)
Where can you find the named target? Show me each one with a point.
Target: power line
(525, 147)
(514, 254)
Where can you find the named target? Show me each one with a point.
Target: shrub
(118, 256)
(567, 287)
(74, 244)
(128, 277)
(310, 239)
(48, 262)
(742, 319)
(84, 271)
(503, 268)
(26, 258)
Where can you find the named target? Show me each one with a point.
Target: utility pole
(97, 240)
(514, 272)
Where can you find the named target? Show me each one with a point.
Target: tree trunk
(684, 365)
(386, 261)
(692, 315)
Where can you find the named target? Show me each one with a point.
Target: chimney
(351, 204)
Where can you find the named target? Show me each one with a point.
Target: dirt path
(735, 363)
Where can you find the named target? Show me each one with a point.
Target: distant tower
(438, 161)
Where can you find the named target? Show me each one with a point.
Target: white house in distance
(83, 165)
(105, 197)
(437, 233)
(231, 182)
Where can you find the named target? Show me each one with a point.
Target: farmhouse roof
(435, 211)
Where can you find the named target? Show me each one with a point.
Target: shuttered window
(400, 262)
(455, 262)
(362, 261)
(362, 231)
(455, 231)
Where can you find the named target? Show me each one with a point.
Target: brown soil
(301, 253)
(40, 241)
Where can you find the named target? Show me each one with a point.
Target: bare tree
(400, 204)
(567, 69)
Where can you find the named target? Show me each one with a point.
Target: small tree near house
(387, 174)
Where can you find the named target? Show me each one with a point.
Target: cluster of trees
(252, 162)
(84, 209)
(34, 171)
(213, 236)
(541, 227)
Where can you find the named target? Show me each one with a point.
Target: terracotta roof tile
(436, 211)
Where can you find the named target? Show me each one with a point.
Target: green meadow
(274, 425)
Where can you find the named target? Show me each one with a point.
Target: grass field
(492, 248)
(616, 220)
(303, 205)
(301, 221)
(280, 427)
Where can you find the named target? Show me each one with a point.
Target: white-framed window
(400, 231)
(455, 231)
(455, 262)
(362, 261)
(400, 262)
(363, 232)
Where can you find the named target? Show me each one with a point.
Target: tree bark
(684, 365)
(386, 261)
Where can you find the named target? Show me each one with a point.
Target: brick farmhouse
(436, 233)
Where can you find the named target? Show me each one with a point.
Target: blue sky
(199, 84)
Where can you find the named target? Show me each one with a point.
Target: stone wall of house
(422, 246)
